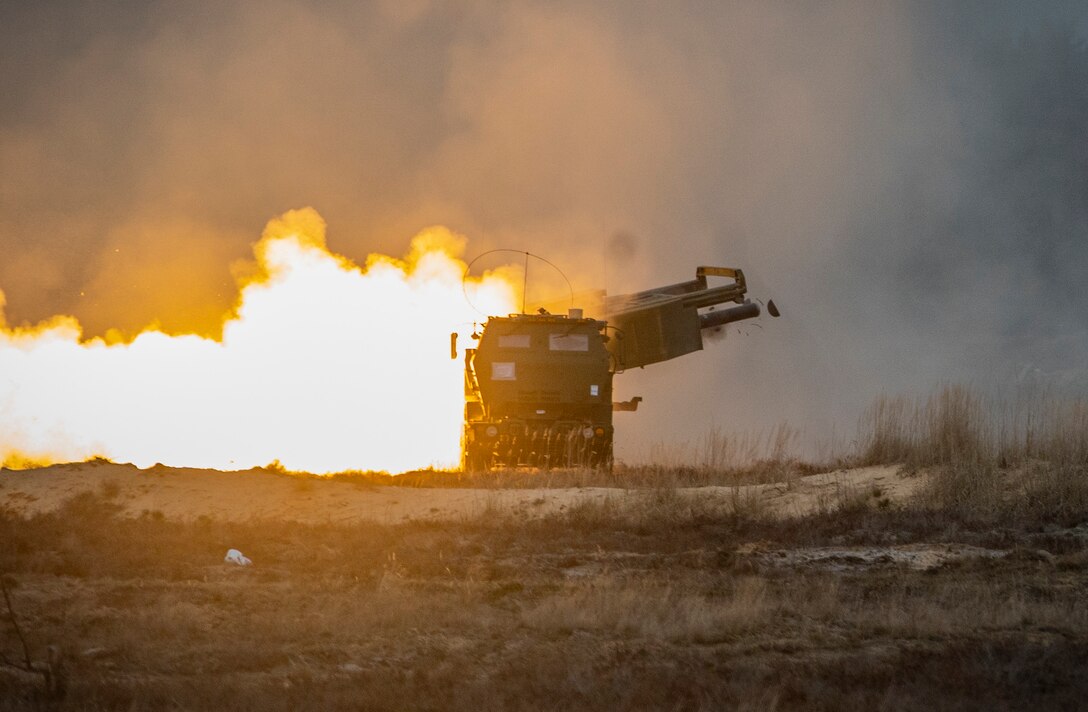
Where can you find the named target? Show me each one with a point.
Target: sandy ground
(187, 494)
(652, 603)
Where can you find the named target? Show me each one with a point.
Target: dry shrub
(967, 490)
(748, 503)
(846, 497)
(1055, 493)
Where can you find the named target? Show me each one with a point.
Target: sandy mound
(187, 494)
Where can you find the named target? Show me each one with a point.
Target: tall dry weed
(956, 427)
(719, 457)
(886, 432)
(950, 426)
(1022, 456)
(720, 451)
(956, 424)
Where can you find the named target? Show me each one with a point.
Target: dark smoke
(909, 181)
(622, 249)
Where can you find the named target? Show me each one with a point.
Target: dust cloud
(906, 180)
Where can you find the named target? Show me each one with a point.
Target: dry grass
(596, 608)
(651, 608)
(1022, 459)
(956, 425)
(721, 457)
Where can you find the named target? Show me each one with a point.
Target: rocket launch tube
(748, 310)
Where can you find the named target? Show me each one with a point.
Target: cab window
(513, 341)
(568, 342)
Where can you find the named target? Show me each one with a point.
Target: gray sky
(909, 181)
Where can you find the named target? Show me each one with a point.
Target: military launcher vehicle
(538, 387)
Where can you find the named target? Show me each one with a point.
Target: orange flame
(324, 367)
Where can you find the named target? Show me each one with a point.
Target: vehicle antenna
(525, 283)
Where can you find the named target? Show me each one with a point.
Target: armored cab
(538, 392)
(538, 387)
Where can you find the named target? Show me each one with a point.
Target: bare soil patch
(188, 494)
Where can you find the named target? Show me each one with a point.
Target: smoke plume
(907, 180)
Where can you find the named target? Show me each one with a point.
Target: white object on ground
(236, 557)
